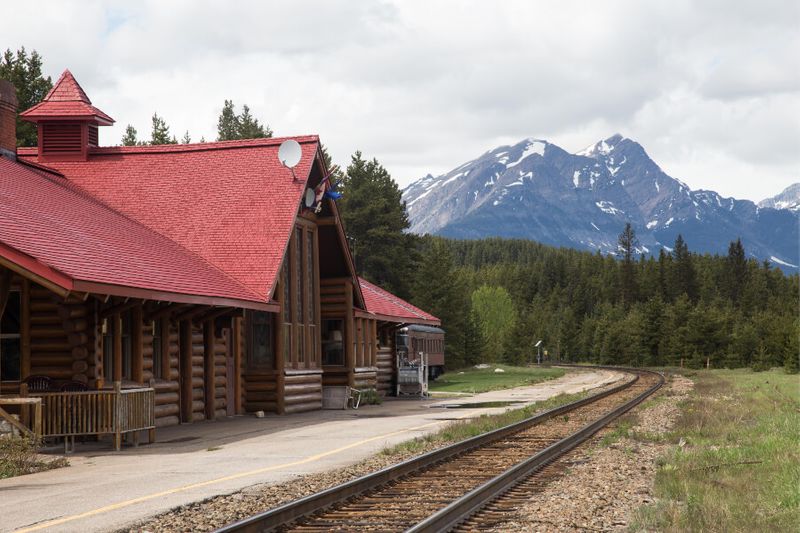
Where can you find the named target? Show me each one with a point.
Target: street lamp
(538, 352)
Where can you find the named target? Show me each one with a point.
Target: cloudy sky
(711, 89)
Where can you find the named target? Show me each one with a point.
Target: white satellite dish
(309, 198)
(289, 153)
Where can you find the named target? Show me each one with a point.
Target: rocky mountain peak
(536, 190)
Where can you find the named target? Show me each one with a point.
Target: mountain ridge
(536, 190)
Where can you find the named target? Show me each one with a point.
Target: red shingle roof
(66, 100)
(71, 239)
(230, 203)
(387, 306)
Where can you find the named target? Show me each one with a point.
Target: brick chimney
(8, 120)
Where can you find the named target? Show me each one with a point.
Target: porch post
(209, 368)
(137, 340)
(185, 372)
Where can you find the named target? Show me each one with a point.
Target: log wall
(302, 390)
(168, 387)
(198, 385)
(386, 366)
(220, 375)
(365, 378)
(260, 391)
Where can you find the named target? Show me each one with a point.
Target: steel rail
(463, 508)
(313, 503)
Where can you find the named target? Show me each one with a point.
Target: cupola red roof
(66, 100)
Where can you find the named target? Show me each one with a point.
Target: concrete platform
(104, 490)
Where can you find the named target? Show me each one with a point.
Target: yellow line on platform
(133, 501)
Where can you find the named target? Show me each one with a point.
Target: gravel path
(600, 486)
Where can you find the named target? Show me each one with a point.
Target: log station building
(192, 276)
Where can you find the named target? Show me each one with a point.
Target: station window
(260, 353)
(10, 349)
(333, 342)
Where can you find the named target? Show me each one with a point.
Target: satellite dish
(309, 198)
(289, 153)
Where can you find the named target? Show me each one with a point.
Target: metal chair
(354, 398)
(38, 383)
(74, 386)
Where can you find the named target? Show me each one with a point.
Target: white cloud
(710, 89)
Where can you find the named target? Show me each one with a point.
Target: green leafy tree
(25, 72)
(130, 139)
(497, 315)
(374, 216)
(160, 133)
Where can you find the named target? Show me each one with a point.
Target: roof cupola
(67, 121)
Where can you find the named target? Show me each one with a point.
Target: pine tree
(186, 139)
(231, 126)
(25, 72)
(249, 128)
(374, 216)
(440, 291)
(160, 133)
(228, 123)
(736, 271)
(627, 247)
(684, 278)
(129, 139)
(474, 342)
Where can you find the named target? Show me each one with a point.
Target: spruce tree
(736, 271)
(160, 133)
(25, 72)
(374, 216)
(129, 139)
(440, 291)
(627, 248)
(228, 123)
(186, 139)
(231, 126)
(249, 128)
(684, 278)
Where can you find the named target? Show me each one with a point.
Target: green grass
(464, 429)
(735, 465)
(475, 380)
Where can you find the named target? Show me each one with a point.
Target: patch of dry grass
(18, 456)
(735, 465)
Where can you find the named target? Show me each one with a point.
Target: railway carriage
(413, 340)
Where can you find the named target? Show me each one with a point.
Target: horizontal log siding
(385, 370)
(302, 391)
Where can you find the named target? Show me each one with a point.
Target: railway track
(467, 485)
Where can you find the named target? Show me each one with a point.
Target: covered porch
(91, 365)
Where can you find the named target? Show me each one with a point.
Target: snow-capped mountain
(788, 199)
(535, 190)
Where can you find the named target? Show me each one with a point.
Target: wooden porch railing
(103, 412)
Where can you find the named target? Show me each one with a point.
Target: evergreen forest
(497, 298)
